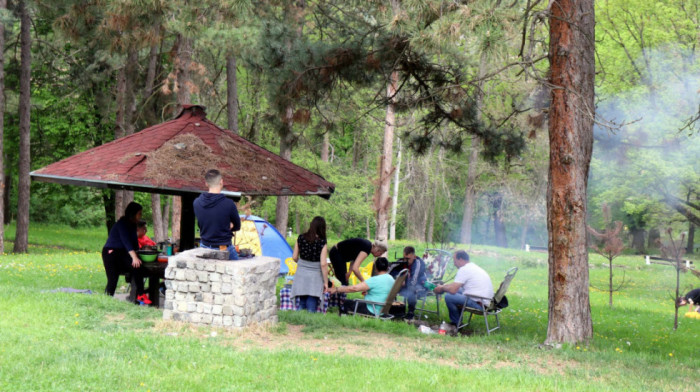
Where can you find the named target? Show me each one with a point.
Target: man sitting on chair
(413, 286)
(470, 279)
(377, 288)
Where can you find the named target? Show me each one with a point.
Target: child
(143, 239)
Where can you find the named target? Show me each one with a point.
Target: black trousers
(339, 265)
(118, 261)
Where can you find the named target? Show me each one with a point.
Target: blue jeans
(412, 293)
(454, 302)
(232, 254)
(308, 302)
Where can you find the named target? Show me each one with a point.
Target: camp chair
(386, 305)
(292, 269)
(436, 264)
(498, 303)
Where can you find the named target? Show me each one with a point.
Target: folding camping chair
(498, 303)
(292, 269)
(386, 305)
(436, 264)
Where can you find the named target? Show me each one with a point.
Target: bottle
(443, 328)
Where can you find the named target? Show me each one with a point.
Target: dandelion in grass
(670, 354)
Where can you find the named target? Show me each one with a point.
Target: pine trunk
(325, 147)
(572, 74)
(3, 6)
(286, 140)
(691, 238)
(22, 234)
(232, 93)
(184, 92)
(157, 214)
(381, 202)
(166, 216)
(119, 132)
(395, 196)
(499, 227)
(470, 194)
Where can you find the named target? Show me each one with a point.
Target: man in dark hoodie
(217, 216)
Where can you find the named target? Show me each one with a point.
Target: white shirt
(475, 281)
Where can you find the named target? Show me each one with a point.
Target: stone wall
(231, 294)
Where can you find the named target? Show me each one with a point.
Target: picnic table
(153, 272)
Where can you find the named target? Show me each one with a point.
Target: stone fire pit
(231, 294)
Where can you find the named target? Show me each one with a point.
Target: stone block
(216, 310)
(218, 300)
(226, 288)
(203, 276)
(196, 317)
(216, 287)
(181, 306)
(198, 297)
(190, 275)
(181, 264)
(205, 287)
(194, 287)
(191, 307)
(220, 268)
(214, 277)
(167, 314)
(227, 310)
(228, 321)
(217, 321)
(210, 266)
(206, 319)
(180, 275)
(208, 298)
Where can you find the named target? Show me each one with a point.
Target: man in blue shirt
(413, 286)
(217, 216)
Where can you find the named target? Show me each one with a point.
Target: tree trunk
(325, 146)
(572, 74)
(286, 141)
(130, 106)
(119, 132)
(499, 228)
(166, 216)
(297, 225)
(149, 108)
(108, 201)
(232, 93)
(356, 148)
(381, 200)
(395, 196)
(184, 84)
(254, 107)
(3, 6)
(638, 241)
(157, 214)
(177, 216)
(6, 197)
(22, 234)
(653, 238)
(691, 238)
(610, 282)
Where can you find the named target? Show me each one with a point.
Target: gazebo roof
(172, 157)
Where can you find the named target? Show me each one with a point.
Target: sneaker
(143, 299)
(408, 316)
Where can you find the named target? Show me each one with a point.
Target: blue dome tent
(262, 238)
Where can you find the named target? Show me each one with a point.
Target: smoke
(646, 144)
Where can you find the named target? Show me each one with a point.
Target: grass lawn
(77, 342)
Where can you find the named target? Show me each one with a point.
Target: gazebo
(172, 157)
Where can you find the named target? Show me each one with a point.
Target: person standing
(311, 278)
(470, 280)
(413, 286)
(119, 252)
(355, 251)
(217, 216)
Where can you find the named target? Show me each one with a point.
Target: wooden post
(187, 222)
